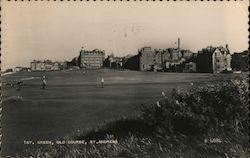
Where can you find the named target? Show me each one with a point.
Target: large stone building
(214, 60)
(147, 59)
(91, 59)
(162, 59)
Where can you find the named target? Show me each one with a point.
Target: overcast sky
(58, 30)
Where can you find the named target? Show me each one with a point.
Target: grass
(74, 101)
(140, 138)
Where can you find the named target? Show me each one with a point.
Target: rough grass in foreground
(204, 121)
(132, 147)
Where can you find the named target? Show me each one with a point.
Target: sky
(58, 30)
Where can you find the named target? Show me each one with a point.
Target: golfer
(102, 82)
(43, 82)
(19, 85)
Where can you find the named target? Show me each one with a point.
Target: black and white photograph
(124, 79)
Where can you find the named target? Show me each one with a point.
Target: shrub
(209, 109)
(120, 128)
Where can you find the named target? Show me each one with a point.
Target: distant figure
(191, 83)
(19, 85)
(43, 82)
(102, 82)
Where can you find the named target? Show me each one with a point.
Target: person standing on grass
(19, 85)
(102, 82)
(44, 82)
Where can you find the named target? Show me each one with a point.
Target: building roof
(93, 51)
(211, 50)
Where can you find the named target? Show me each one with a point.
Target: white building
(91, 59)
(221, 59)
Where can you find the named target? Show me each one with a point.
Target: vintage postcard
(124, 79)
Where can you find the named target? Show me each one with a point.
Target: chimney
(178, 44)
(227, 49)
(179, 51)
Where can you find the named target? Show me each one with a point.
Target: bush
(119, 128)
(210, 109)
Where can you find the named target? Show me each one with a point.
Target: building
(214, 60)
(204, 60)
(73, 63)
(240, 61)
(158, 59)
(37, 65)
(187, 54)
(131, 62)
(170, 59)
(221, 60)
(114, 62)
(190, 67)
(91, 59)
(21, 69)
(147, 59)
(18, 69)
(46, 65)
(63, 65)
